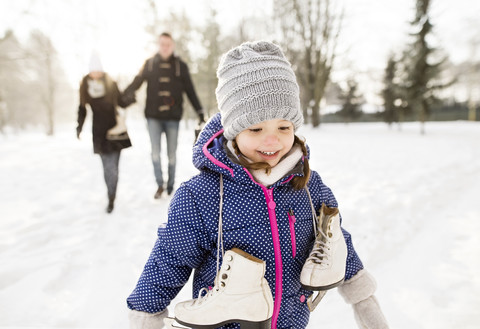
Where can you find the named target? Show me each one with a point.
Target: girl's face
(95, 75)
(267, 141)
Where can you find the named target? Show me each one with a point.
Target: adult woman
(101, 93)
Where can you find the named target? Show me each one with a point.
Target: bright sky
(373, 28)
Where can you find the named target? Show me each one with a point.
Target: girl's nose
(271, 139)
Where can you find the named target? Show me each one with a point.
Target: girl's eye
(285, 128)
(255, 130)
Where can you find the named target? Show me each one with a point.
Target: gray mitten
(144, 320)
(359, 291)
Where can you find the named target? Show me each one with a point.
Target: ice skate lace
(321, 249)
(321, 252)
(208, 293)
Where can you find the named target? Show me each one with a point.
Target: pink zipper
(291, 222)
(273, 225)
(276, 250)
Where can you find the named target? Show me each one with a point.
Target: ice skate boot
(119, 131)
(241, 294)
(325, 267)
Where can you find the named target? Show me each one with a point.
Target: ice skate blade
(118, 137)
(171, 323)
(322, 288)
(313, 303)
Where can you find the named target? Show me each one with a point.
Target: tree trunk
(50, 101)
(316, 114)
(472, 111)
(310, 31)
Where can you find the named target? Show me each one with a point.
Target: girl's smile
(268, 156)
(267, 141)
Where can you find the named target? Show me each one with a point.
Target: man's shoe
(158, 194)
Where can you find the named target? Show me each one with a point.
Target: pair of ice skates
(241, 294)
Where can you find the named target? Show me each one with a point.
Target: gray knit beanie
(256, 83)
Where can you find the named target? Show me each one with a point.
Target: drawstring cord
(220, 219)
(209, 292)
(220, 231)
(314, 213)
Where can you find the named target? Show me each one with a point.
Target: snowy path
(410, 202)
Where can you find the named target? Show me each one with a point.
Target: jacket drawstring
(220, 229)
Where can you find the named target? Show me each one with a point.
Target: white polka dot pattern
(189, 239)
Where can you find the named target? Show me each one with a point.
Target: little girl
(254, 193)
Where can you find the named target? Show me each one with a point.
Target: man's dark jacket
(166, 82)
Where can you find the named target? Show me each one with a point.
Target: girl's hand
(144, 320)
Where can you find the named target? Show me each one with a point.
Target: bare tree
(31, 73)
(152, 21)
(43, 56)
(177, 24)
(3, 113)
(309, 36)
(10, 79)
(207, 67)
(18, 105)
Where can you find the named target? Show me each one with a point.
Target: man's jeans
(155, 129)
(110, 172)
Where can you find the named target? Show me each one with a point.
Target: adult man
(167, 79)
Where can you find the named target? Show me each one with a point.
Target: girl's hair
(298, 182)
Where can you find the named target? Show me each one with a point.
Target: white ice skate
(241, 294)
(325, 267)
(119, 131)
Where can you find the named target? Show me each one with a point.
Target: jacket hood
(208, 151)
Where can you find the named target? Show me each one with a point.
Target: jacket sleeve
(190, 89)
(137, 81)
(180, 247)
(317, 187)
(121, 101)
(82, 110)
(82, 113)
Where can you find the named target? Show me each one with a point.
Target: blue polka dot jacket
(255, 219)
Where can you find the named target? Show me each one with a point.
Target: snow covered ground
(410, 202)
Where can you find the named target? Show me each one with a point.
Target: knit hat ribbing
(256, 83)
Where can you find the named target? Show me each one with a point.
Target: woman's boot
(111, 201)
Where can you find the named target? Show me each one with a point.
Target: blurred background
(356, 60)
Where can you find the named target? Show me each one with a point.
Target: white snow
(410, 202)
